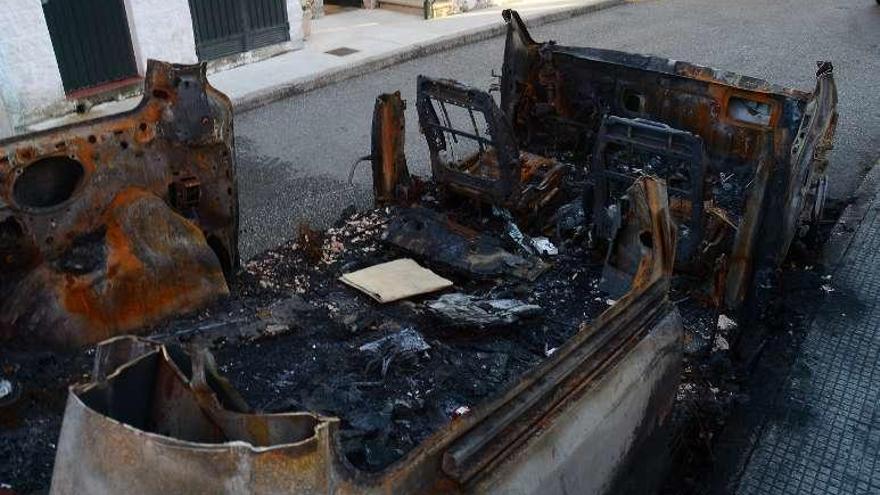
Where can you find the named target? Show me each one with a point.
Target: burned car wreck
(495, 327)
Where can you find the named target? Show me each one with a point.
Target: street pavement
(822, 432)
(294, 155)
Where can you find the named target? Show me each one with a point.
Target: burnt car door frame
(148, 198)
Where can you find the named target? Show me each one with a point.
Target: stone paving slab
(828, 440)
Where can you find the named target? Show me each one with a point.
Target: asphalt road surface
(294, 155)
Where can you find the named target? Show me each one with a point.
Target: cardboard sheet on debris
(395, 280)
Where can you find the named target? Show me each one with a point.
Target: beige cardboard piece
(395, 280)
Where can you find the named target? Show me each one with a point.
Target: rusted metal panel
(765, 145)
(163, 420)
(428, 233)
(113, 224)
(391, 179)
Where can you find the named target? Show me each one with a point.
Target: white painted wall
(294, 17)
(161, 29)
(30, 84)
(5, 124)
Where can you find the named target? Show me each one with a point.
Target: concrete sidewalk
(372, 40)
(381, 38)
(827, 440)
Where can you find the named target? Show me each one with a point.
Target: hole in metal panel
(749, 111)
(47, 182)
(633, 101)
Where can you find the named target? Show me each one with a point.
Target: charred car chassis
(674, 166)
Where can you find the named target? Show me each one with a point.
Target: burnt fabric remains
(397, 371)
(468, 310)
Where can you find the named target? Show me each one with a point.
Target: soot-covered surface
(290, 337)
(29, 427)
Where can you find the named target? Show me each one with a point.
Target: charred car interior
(520, 314)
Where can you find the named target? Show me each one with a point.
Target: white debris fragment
(726, 323)
(549, 352)
(720, 344)
(827, 288)
(610, 302)
(471, 310)
(275, 329)
(544, 247)
(5, 388)
(406, 340)
(461, 411)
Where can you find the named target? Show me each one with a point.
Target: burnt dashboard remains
(758, 183)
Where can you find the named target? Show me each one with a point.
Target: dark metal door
(226, 27)
(91, 40)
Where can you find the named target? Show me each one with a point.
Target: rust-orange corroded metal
(391, 179)
(774, 139)
(113, 224)
(164, 421)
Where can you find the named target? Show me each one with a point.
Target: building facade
(57, 56)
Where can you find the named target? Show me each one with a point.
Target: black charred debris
(291, 337)
(294, 338)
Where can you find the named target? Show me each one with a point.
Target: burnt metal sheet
(391, 180)
(115, 223)
(765, 144)
(163, 420)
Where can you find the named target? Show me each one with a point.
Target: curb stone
(304, 84)
(843, 232)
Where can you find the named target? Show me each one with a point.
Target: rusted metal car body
(161, 420)
(765, 145)
(113, 224)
